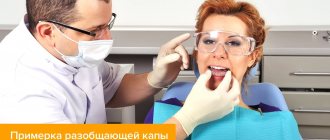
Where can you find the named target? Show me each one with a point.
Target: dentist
(53, 70)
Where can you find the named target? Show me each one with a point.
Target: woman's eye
(233, 43)
(208, 41)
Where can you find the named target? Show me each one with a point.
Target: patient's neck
(242, 104)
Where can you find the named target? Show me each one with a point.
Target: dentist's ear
(44, 33)
(44, 30)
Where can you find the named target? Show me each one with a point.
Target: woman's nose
(220, 52)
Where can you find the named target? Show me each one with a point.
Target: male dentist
(53, 70)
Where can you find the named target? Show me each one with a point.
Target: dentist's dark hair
(63, 11)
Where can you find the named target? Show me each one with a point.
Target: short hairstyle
(242, 10)
(63, 11)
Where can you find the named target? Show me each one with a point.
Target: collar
(34, 46)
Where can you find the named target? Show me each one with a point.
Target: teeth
(218, 68)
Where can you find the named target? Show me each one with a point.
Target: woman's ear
(253, 58)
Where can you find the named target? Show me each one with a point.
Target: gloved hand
(171, 58)
(204, 105)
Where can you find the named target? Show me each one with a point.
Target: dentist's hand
(204, 105)
(171, 58)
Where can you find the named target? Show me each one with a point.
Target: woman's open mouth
(218, 71)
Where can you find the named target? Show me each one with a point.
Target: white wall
(294, 12)
(183, 12)
(156, 12)
(11, 11)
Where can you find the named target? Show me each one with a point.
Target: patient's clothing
(241, 124)
(174, 101)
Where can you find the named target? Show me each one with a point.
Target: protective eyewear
(233, 43)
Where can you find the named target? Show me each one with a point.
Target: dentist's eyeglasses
(233, 43)
(96, 34)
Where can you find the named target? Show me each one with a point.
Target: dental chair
(265, 93)
(276, 119)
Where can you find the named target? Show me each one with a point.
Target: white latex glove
(204, 105)
(171, 58)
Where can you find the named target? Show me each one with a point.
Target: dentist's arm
(204, 105)
(134, 88)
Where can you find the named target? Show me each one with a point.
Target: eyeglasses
(96, 34)
(232, 42)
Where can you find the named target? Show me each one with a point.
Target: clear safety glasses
(233, 43)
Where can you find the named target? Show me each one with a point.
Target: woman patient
(229, 37)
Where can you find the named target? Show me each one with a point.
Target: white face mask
(91, 53)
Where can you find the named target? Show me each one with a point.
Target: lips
(218, 71)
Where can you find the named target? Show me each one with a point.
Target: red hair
(246, 12)
(242, 10)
